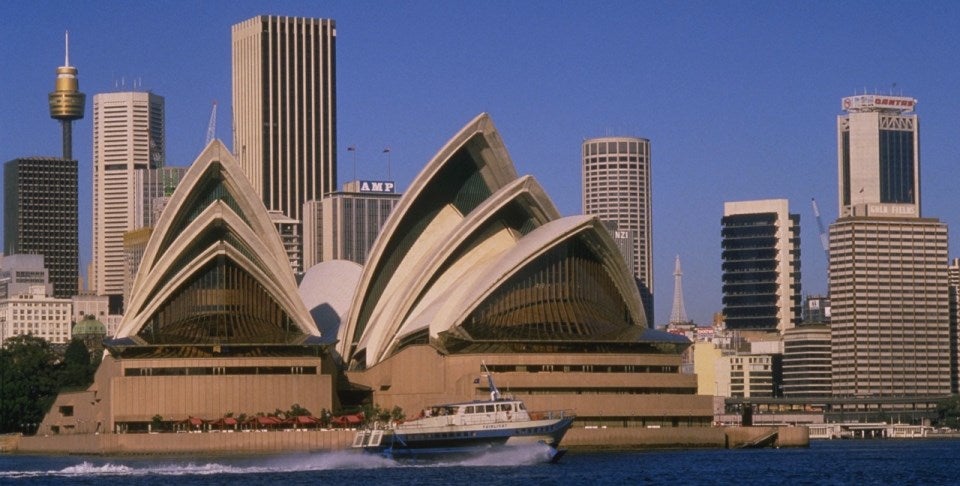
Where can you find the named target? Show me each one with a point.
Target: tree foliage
(31, 374)
(28, 382)
(948, 412)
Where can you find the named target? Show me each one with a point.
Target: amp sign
(377, 186)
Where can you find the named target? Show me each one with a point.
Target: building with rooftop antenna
(889, 292)
(66, 101)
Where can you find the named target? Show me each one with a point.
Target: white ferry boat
(468, 428)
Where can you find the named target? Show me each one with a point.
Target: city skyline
(739, 101)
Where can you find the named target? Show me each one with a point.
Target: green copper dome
(89, 327)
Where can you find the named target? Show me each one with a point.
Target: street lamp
(353, 148)
(387, 151)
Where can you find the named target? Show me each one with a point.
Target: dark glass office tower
(761, 265)
(40, 216)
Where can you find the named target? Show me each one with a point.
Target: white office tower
(128, 134)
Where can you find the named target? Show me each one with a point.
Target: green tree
(397, 415)
(77, 369)
(948, 412)
(296, 411)
(29, 374)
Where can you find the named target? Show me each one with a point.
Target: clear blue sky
(739, 99)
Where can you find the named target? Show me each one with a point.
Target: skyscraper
(284, 108)
(616, 188)
(40, 216)
(889, 295)
(890, 328)
(761, 265)
(878, 155)
(128, 134)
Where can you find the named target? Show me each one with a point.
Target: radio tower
(66, 102)
(678, 315)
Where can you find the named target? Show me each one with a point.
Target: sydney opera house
(474, 266)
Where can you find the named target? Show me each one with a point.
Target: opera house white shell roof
(474, 255)
(215, 270)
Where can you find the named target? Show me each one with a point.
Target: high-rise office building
(889, 294)
(616, 188)
(284, 108)
(761, 265)
(153, 188)
(128, 135)
(344, 225)
(889, 298)
(878, 155)
(953, 277)
(40, 216)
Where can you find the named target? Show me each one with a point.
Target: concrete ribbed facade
(806, 361)
(284, 108)
(890, 326)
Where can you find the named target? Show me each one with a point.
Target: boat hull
(460, 441)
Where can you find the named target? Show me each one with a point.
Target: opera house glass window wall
(214, 279)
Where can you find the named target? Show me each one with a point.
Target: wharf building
(40, 216)
(760, 243)
(284, 109)
(890, 323)
(617, 189)
(128, 135)
(345, 224)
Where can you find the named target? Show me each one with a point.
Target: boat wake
(321, 461)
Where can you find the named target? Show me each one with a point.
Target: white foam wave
(345, 460)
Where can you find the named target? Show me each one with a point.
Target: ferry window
(470, 409)
(490, 408)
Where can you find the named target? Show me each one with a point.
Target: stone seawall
(683, 437)
(327, 440)
(189, 443)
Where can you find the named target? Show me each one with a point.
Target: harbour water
(922, 461)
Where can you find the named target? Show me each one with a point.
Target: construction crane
(824, 240)
(212, 126)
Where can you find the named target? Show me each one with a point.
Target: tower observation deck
(66, 101)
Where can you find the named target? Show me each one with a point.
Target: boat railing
(551, 414)
(479, 419)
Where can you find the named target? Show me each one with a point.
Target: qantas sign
(878, 102)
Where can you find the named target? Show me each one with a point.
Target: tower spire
(66, 100)
(678, 315)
